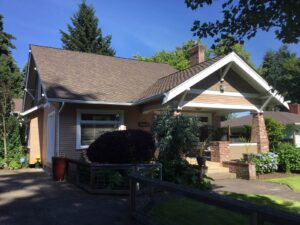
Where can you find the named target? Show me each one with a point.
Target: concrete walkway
(30, 197)
(255, 187)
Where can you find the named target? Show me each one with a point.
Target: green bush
(14, 165)
(275, 132)
(175, 135)
(265, 162)
(181, 172)
(288, 156)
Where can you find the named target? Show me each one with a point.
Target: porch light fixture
(222, 86)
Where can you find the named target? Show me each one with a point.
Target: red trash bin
(58, 168)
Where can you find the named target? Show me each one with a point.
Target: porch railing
(107, 178)
(157, 192)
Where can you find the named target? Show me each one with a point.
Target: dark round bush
(127, 146)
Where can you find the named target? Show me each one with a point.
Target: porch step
(216, 171)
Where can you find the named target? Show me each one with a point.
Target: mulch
(276, 175)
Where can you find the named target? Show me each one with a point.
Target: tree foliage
(275, 132)
(84, 34)
(242, 19)
(10, 86)
(178, 58)
(282, 70)
(221, 49)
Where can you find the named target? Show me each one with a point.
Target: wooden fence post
(255, 219)
(133, 190)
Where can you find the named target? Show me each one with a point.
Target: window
(93, 123)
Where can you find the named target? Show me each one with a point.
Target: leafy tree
(10, 86)
(178, 58)
(275, 132)
(282, 70)
(221, 49)
(242, 19)
(84, 35)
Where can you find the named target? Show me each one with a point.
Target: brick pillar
(219, 151)
(259, 132)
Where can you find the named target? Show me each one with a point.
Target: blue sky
(137, 26)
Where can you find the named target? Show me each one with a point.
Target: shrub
(275, 132)
(128, 146)
(265, 162)
(175, 135)
(181, 172)
(288, 156)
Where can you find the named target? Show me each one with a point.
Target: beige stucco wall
(67, 146)
(38, 122)
(237, 150)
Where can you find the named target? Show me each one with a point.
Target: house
(290, 119)
(73, 97)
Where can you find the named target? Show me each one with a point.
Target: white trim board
(226, 93)
(220, 106)
(89, 102)
(232, 57)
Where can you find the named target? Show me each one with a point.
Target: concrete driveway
(30, 197)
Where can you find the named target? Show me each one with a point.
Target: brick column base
(259, 132)
(219, 151)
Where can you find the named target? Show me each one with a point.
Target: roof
(17, 105)
(168, 82)
(282, 117)
(91, 77)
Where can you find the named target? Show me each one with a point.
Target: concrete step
(221, 176)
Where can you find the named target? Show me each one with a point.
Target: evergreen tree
(84, 35)
(178, 58)
(282, 70)
(10, 86)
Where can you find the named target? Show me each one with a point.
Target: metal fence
(107, 178)
(167, 203)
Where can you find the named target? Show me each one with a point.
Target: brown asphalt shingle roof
(84, 76)
(168, 82)
(282, 117)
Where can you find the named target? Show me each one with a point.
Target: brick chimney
(197, 54)
(295, 108)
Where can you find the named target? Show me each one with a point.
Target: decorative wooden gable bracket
(224, 72)
(181, 102)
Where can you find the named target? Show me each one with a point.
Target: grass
(182, 211)
(293, 182)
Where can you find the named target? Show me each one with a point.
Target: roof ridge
(91, 53)
(178, 71)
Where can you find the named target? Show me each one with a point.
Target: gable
(240, 84)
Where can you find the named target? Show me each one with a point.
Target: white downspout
(58, 130)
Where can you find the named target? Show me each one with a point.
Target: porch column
(259, 133)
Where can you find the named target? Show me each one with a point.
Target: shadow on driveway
(30, 197)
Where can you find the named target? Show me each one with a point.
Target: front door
(51, 136)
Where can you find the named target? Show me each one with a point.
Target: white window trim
(94, 111)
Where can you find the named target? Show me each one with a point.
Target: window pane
(203, 119)
(90, 132)
(100, 117)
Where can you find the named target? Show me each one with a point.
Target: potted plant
(246, 156)
(201, 159)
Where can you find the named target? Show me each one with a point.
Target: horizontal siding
(230, 100)
(132, 116)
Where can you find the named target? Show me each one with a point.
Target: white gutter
(89, 102)
(31, 110)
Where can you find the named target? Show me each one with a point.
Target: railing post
(133, 191)
(92, 177)
(255, 219)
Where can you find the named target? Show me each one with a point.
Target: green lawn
(187, 212)
(292, 182)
